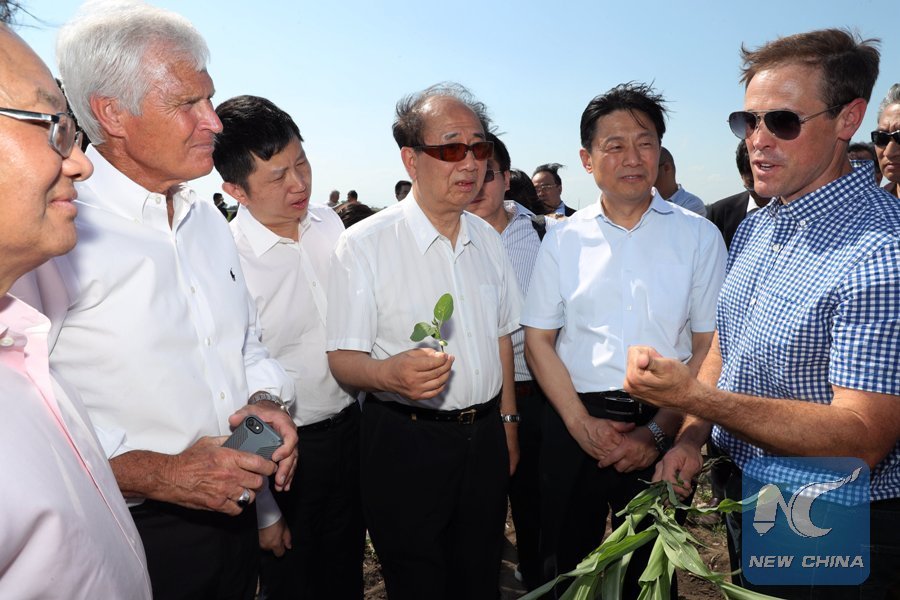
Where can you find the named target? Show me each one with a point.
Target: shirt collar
(261, 238)
(422, 229)
(657, 204)
(517, 210)
(122, 196)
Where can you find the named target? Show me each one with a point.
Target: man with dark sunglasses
(886, 139)
(65, 530)
(438, 428)
(806, 361)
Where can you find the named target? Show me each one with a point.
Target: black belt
(465, 416)
(526, 388)
(617, 405)
(329, 422)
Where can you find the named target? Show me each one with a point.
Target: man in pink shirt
(65, 531)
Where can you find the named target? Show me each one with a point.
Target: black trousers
(198, 554)
(323, 511)
(576, 499)
(524, 487)
(883, 582)
(434, 498)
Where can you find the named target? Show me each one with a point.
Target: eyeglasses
(545, 187)
(492, 174)
(783, 124)
(64, 134)
(457, 152)
(882, 138)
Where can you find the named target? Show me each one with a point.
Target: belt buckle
(466, 417)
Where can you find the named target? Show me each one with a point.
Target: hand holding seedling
(443, 310)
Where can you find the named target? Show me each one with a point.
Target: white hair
(109, 49)
(893, 97)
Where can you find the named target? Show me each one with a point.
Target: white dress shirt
(160, 337)
(288, 280)
(389, 271)
(65, 531)
(607, 288)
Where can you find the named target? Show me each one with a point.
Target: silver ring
(244, 498)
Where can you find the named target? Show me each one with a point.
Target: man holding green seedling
(438, 427)
(806, 360)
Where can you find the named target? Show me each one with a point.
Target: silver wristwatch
(659, 437)
(259, 396)
(510, 418)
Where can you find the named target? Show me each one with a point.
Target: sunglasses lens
(783, 124)
(742, 123)
(482, 150)
(883, 138)
(453, 152)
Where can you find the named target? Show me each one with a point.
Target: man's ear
(585, 160)
(850, 119)
(236, 192)
(110, 115)
(410, 159)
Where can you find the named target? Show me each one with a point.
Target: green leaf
(733, 592)
(421, 331)
(443, 310)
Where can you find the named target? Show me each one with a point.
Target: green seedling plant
(443, 310)
(602, 572)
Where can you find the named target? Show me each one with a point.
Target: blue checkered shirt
(811, 300)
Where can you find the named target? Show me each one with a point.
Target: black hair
(629, 96)
(400, 184)
(409, 123)
(251, 126)
(551, 168)
(501, 154)
(353, 212)
(521, 189)
(742, 158)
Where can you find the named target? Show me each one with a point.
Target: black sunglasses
(491, 174)
(883, 138)
(783, 124)
(457, 152)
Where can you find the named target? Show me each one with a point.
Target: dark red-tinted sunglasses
(457, 152)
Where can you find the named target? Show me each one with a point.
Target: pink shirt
(65, 531)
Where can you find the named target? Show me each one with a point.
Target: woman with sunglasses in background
(887, 139)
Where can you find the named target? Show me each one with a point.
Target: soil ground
(713, 550)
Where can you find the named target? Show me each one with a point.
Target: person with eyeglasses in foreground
(438, 428)
(158, 333)
(630, 269)
(806, 360)
(65, 531)
(887, 140)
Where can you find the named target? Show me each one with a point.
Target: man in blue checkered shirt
(806, 361)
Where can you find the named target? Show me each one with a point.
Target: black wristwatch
(259, 396)
(662, 441)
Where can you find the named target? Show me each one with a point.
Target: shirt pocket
(668, 297)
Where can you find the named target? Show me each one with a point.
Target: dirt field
(714, 552)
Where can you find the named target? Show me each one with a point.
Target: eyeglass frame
(491, 174)
(55, 121)
(760, 117)
(438, 151)
(544, 187)
(892, 135)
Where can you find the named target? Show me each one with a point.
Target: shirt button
(752, 301)
(628, 307)
(193, 291)
(477, 372)
(7, 342)
(208, 342)
(803, 223)
(314, 284)
(776, 247)
(159, 200)
(222, 395)
(469, 333)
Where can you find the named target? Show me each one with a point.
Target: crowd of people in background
(588, 352)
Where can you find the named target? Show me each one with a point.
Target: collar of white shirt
(122, 196)
(261, 238)
(425, 233)
(657, 204)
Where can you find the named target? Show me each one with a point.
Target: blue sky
(339, 68)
